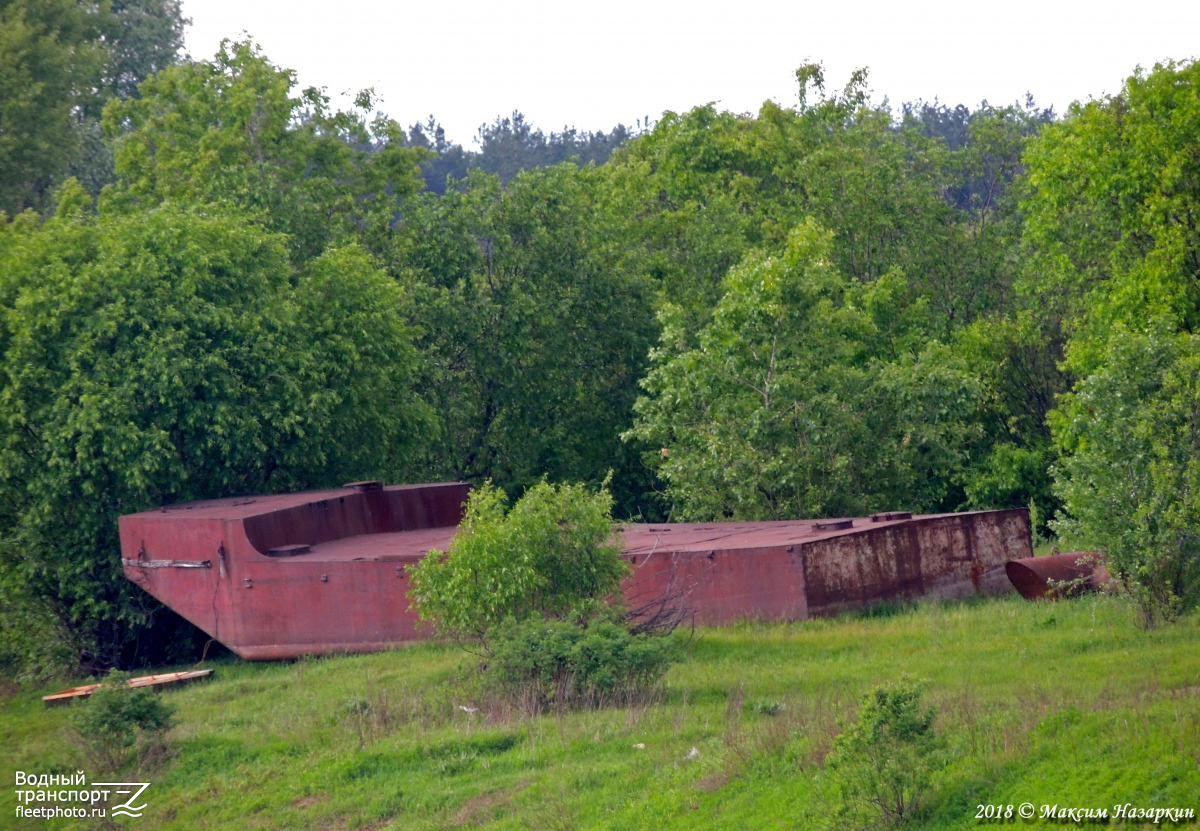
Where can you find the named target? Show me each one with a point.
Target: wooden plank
(67, 696)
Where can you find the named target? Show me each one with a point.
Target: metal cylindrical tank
(1058, 575)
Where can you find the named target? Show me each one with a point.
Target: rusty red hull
(326, 571)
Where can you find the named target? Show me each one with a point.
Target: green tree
(50, 63)
(534, 332)
(230, 131)
(507, 146)
(1114, 255)
(1130, 478)
(117, 723)
(925, 228)
(176, 354)
(140, 38)
(711, 186)
(1006, 343)
(1113, 192)
(60, 60)
(511, 144)
(1017, 363)
(532, 340)
(790, 404)
(537, 297)
(143, 37)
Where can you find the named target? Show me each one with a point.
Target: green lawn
(1067, 704)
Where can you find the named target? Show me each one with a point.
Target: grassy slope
(1066, 703)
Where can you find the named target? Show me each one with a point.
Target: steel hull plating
(325, 571)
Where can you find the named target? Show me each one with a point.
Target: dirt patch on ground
(712, 782)
(481, 806)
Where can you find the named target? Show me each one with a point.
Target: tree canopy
(60, 60)
(176, 354)
(827, 308)
(795, 401)
(1112, 196)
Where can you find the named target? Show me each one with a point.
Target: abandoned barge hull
(322, 572)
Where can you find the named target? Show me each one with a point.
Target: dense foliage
(230, 132)
(1131, 476)
(795, 401)
(168, 355)
(1114, 193)
(535, 333)
(821, 309)
(540, 663)
(554, 555)
(60, 60)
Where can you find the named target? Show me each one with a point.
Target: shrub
(541, 662)
(883, 763)
(118, 722)
(553, 556)
(532, 589)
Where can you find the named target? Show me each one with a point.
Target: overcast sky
(595, 65)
